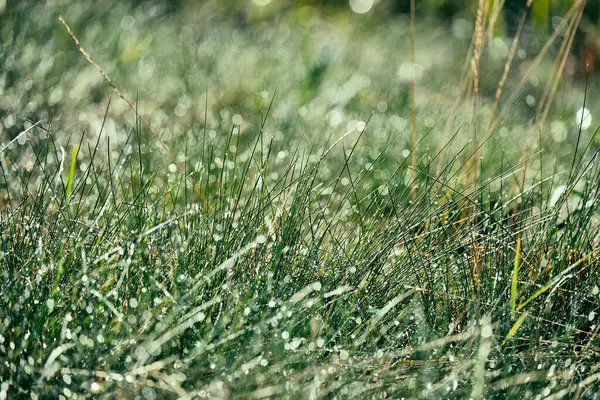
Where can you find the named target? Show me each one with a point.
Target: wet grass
(260, 257)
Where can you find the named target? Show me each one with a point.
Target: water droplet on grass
(583, 117)
(361, 6)
(237, 119)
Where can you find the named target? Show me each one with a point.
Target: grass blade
(71, 174)
(515, 327)
(515, 276)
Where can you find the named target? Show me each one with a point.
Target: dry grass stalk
(517, 90)
(482, 10)
(552, 86)
(566, 49)
(413, 134)
(507, 65)
(495, 120)
(494, 18)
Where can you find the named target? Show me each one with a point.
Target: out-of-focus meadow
(332, 64)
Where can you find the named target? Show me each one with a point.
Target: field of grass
(243, 216)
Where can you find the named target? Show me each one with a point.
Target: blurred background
(207, 66)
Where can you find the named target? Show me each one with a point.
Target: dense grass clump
(307, 249)
(250, 276)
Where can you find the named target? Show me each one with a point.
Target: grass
(330, 263)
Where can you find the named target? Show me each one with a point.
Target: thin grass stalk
(482, 9)
(518, 88)
(507, 65)
(413, 107)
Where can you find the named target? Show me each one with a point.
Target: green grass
(289, 286)
(283, 256)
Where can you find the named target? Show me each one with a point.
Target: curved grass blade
(515, 327)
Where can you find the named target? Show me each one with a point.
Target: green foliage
(278, 252)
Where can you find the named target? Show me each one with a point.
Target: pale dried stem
(413, 135)
(529, 72)
(482, 10)
(494, 18)
(555, 66)
(507, 65)
(564, 58)
(536, 62)
(555, 80)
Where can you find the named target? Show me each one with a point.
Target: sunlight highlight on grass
(71, 174)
